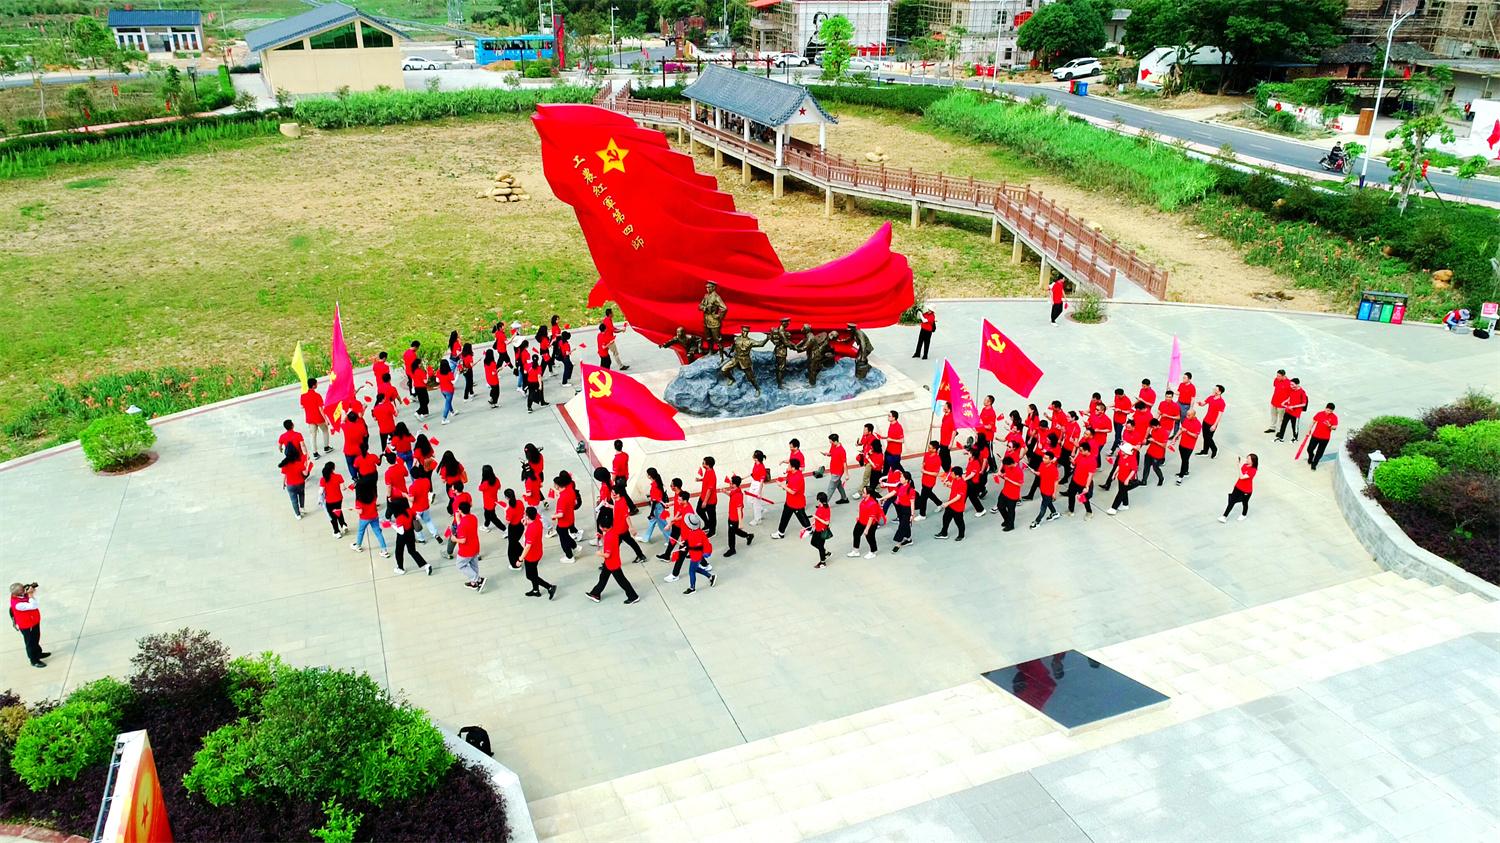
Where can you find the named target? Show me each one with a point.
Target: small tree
(171, 86)
(928, 48)
(953, 45)
(1427, 93)
(78, 99)
(837, 35)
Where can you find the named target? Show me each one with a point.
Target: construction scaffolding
(1451, 28)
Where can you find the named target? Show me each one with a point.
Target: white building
(157, 32)
(791, 26)
(989, 26)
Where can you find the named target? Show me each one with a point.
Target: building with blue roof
(326, 48)
(158, 32)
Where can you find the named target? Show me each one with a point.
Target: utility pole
(613, 47)
(1398, 17)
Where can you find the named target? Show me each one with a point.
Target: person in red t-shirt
(1126, 463)
(1056, 291)
(1240, 494)
(290, 442)
(466, 531)
(904, 495)
(1169, 411)
(1119, 413)
(838, 463)
(737, 514)
(1159, 435)
(491, 366)
(1292, 407)
(708, 496)
(408, 364)
(895, 439)
(332, 485)
(1213, 408)
(531, 553)
(953, 511)
(1280, 386)
(931, 468)
(384, 414)
(515, 527)
(395, 478)
(699, 552)
(489, 495)
(405, 523)
(466, 368)
(563, 352)
(988, 419)
(603, 342)
(794, 484)
(619, 468)
(565, 507)
(445, 376)
(369, 519)
(1081, 484)
(312, 415)
(1187, 392)
(1187, 439)
(1010, 478)
(759, 474)
(609, 552)
(1324, 424)
(294, 471)
(1046, 475)
(381, 366)
(821, 530)
(421, 375)
(870, 517)
(613, 346)
(924, 333)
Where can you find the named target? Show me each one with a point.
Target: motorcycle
(1335, 163)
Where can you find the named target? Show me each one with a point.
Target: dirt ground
(1202, 267)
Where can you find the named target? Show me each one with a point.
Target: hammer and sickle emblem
(995, 344)
(600, 384)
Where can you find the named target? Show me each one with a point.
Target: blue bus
(513, 48)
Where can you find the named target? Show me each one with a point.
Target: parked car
(1078, 69)
(419, 63)
(864, 65)
(789, 60)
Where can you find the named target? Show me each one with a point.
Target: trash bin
(1072, 86)
(1375, 306)
(1083, 89)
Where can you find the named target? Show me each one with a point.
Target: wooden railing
(1080, 250)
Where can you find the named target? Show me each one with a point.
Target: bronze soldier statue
(862, 349)
(692, 347)
(781, 341)
(739, 357)
(714, 311)
(819, 352)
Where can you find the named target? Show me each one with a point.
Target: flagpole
(931, 417)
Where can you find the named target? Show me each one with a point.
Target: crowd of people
(403, 483)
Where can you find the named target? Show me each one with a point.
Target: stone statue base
(700, 390)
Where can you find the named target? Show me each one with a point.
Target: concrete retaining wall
(517, 814)
(1386, 541)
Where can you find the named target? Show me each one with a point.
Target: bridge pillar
(916, 214)
(849, 203)
(776, 190)
(718, 157)
(745, 170)
(681, 134)
(931, 214)
(994, 229)
(1016, 251)
(828, 202)
(1044, 275)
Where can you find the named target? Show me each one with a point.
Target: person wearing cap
(1125, 461)
(699, 551)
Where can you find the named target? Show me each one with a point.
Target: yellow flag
(299, 367)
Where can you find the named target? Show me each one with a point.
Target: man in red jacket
(27, 618)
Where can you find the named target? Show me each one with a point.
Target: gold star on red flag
(613, 157)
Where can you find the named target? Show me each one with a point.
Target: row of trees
(83, 42)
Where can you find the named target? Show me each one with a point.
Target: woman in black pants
(904, 494)
(619, 514)
(399, 511)
(1243, 487)
(1081, 485)
(515, 527)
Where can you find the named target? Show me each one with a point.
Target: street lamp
(192, 71)
(613, 45)
(1398, 17)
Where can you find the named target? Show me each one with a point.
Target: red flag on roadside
(341, 374)
(618, 406)
(951, 389)
(1005, 360)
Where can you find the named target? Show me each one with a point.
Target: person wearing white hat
(699, 551)
(1126, 462)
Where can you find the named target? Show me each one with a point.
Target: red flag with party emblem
(619, 406)
(1006, 361)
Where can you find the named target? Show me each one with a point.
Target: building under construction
(1461, 29)
(985, 29)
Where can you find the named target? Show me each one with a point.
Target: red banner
(1005, 360)
(341, 377)
(619, 407)
(951, 389)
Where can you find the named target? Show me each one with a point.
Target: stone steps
(837, 773)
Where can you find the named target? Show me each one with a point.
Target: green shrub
(1401, 479)
(322, 734)
(116, 440)
(659, 93)
(1095, 158)
(112, 692)
(912, 99)
(58, 745)
(1472, 407)
(250, 677)
(340, 826)
(1309, 91)
(381, 108)
(179, 664)
(12, 718)
(1439, 451)
(1089, 308)
(1470, 500)
(1387, 434)
(1475, 447)
(36, 155)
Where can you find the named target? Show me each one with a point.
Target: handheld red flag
(951, 389)
(341, 377)
(1005, 360)
(618, 406)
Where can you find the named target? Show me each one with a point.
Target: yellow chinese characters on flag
(136, 811)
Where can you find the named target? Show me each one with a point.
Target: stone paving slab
(575, 694)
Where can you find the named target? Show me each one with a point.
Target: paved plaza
(576, 695)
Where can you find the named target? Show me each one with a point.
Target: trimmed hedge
(383, 108)
(912, 99)
(56, 746)
(1401, 479)
(115, 440)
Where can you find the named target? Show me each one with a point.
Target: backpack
(478, 738)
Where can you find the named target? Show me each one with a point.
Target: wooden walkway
(1064, 242)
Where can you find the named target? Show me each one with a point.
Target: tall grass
(1144, 169)
(383, 108)
(164, 139)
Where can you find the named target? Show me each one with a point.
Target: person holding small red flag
(953, 511)
(1126, 462)
(1056, 291)
(1292, 407)
(1046, 474)
(609, 552)
(870, 517)
(1323, 426)
(821, 530)
(1187, 439)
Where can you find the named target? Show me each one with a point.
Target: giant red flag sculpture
(619, 407)
(657, 231)
(1005, 360)
(340, 395)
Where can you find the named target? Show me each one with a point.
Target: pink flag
(341, 376)
(1174, 368)
(952, 390)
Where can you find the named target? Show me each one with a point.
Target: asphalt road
(70, 79)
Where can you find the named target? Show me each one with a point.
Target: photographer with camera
(26, 617)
